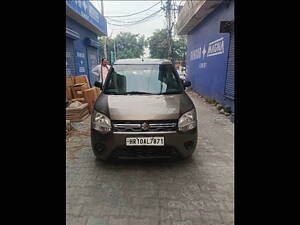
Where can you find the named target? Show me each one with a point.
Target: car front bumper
(106, 145)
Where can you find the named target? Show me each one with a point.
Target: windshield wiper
(171, 92)
(138, 93)
(113, 93)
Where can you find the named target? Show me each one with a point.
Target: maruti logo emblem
(145, 126)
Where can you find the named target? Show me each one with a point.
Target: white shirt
(97, 71)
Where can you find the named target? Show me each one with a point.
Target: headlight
(100, 122)
(187, 121)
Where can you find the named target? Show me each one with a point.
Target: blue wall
(206, 69)
(80, 47)
(90, 13)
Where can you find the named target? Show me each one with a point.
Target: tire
(183, 158)
(98, 158)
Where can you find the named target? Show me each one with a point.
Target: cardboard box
(69, 93)
(69, 81)
(81, 118)
(77, 114)
(98, 91)
(78, 89)
(90, 96)
(82, 100)
(81, 79)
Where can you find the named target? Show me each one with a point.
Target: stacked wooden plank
(69, 85)
(77, 112)
(82, 79)
(90, 96)
(78, 91)
(75, 85)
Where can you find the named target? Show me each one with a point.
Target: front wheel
(98, 158)
(182, 158)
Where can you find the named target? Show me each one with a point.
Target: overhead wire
(136, 12)
(121, 25)
(135, 23)
(116, 22)
(151, 16)
(130, 21)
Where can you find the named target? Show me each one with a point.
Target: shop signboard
(90, 13)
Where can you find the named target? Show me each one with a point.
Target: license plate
(145, 141)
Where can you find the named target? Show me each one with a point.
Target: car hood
(143, 107)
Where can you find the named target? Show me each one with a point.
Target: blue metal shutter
(92, 62)
(70, 58)
(229, 86)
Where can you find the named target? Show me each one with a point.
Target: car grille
(144, 126)
(145, 152)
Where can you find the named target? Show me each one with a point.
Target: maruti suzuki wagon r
(143, 112)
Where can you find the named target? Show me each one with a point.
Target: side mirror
(98, 84)
(187, 83)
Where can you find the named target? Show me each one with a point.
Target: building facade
(209, 26)
(84, 24)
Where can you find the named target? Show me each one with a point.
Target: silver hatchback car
(143, 112)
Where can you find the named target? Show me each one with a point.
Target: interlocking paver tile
(198, 191)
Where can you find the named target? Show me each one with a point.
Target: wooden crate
(81, 79)
(78, 89)
(82, 100)
(90, 96)
(98, 91)
(69, 93)
(70, 81)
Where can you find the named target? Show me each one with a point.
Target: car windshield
(142, 79)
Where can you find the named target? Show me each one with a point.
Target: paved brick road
(198, 191)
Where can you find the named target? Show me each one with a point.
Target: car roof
(139, 61)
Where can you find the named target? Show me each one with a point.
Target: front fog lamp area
(187, 121)
(100, 122)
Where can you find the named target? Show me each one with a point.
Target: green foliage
(128, 45)
(210, 100)
(158, 46)
(179, 49)
(228, 109)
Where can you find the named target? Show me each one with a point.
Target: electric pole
(169, 29)
(115, 50)
(104, 37)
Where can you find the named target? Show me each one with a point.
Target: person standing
(177, 67)
(101, 70)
